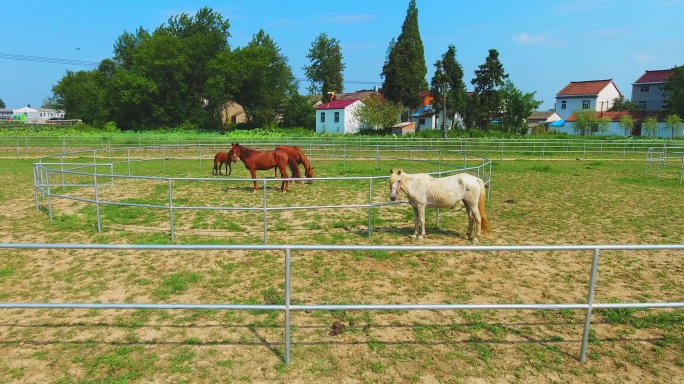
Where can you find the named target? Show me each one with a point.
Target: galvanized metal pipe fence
(51, 172)
(287, 307)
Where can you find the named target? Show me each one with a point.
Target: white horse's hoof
(474, 240)
(420, 238)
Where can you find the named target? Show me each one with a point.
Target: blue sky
(543, 45)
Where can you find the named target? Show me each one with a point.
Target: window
(322, 117)
(664, 105)
(642, 105)
(644, 88)
(585, 104)
(337, 117)
(564, 104)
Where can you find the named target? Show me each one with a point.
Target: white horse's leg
(421, 211)
(416, 222)
(470, 220)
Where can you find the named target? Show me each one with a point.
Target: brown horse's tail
(294, 167)
(216, 161)
(480, 207)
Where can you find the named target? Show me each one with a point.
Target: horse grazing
(262, 160)
(220, 159)
(300, 158)
(425, 191)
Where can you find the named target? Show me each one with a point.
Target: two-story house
(597, 95)
(647, 90)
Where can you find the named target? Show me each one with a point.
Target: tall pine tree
(325, 71)
(447, 85)
(404, 70)
(486, 101)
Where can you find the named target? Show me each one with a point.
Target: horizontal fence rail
(672, 159)
(288, 307)
(61, 176)
(492, 148)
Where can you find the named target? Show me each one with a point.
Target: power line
(85, 63)
(49, 60)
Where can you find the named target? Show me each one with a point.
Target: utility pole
(444, 132)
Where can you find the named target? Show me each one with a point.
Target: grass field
(532, 202)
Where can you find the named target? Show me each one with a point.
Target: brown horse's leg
(253, 172)
(283, 174)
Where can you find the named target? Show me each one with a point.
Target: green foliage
(650, 126)
(517, 106)
(449, 74)
(674, 124)
(378, 114)
(626, 123)
(299, 112)
(404, 70)
(622, 104)
(486, 102)
(325, 71)
(587, 122)
(674, 85)
(2, 104)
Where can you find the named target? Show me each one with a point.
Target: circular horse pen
(163, 189)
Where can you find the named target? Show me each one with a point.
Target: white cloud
(351, 18)
(645, 58)
(525, 38)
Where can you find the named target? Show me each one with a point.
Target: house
(597, 95)
(338, 116)
(424, 118)
(232, 113)
(39, 115)
(647, 90)
(542, 117)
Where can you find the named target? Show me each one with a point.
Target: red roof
(592, 87)
(658, 76)
(337, 104)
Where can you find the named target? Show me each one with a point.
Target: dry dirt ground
(535, 203)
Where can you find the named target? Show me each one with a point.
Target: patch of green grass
(176, 283)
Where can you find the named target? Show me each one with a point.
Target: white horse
(425, 191)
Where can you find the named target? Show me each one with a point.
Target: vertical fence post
(590, 301)
(287, 306)
(265, 213)
(97, 202)
(164, 159)
(173, 237)
(370, 204)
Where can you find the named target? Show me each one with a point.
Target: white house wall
(351, 123)
(348, 122)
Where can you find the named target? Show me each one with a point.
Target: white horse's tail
(480, 206)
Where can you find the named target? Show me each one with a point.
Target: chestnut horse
(220, 159)
(425, 191)
(261, 160)
(300, 158)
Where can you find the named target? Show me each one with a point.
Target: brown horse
(220, 159)
(300, 158)
(261, 160)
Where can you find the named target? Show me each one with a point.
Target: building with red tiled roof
(615, 129)
(338, 116)
(647, 90)
(597, 95)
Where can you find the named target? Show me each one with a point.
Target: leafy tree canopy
(325, 71)
(675, 86)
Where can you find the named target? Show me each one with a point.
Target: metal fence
(61, 176)
(287, 307)
(666, 159)
(489, 147)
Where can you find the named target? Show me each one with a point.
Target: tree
(404, 70)
(2, 104)
(264, 77)
(299, 112)
(516, 107)
(325, 71)
(378, 114)
(587, 122)
(447, 86)
(487, 105)
(622, 104)
(674, 124)
(675, 86)
(626, 123)
(84, 95)
(650, 126)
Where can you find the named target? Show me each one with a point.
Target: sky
(543, 45)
